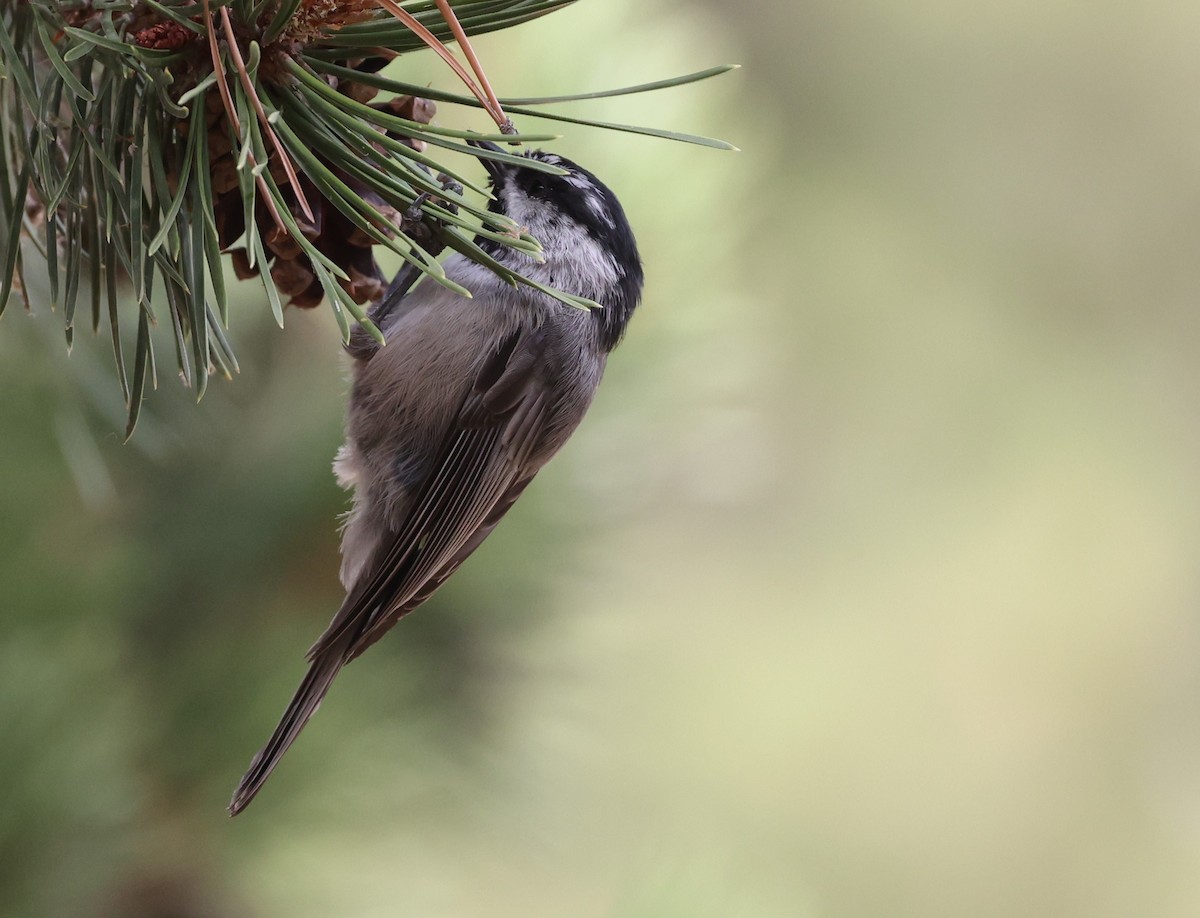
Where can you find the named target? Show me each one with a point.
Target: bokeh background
(869, 587)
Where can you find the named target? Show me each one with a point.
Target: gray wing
(504, 431)
(485, 462)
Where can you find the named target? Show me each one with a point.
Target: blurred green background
(869, 587)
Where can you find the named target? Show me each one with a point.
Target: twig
(444, 53)
(248, 84)
(231, 112)
(460, 35)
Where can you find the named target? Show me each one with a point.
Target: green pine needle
(111, 133)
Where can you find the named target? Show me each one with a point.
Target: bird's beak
(496, 170)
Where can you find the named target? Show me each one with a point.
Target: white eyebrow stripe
(591, 198)
(596, 206)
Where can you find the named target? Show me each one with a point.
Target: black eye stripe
(536, 184)
(578, 197)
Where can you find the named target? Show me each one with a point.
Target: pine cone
(333, 234)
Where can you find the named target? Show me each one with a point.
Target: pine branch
(145, 141)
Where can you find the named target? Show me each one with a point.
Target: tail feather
(303, 705)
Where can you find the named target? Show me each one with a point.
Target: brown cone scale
(330, 231)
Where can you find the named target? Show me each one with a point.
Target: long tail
(325, 666)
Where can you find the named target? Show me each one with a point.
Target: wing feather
(511, 421)
(485, 460)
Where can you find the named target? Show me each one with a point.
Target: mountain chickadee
(451, 420)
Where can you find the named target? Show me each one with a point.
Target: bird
(449, 422)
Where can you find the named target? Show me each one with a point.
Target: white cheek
(575, 262)
(586, 265)
(519, 209)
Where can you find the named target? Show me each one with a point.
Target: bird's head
(589, 245)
